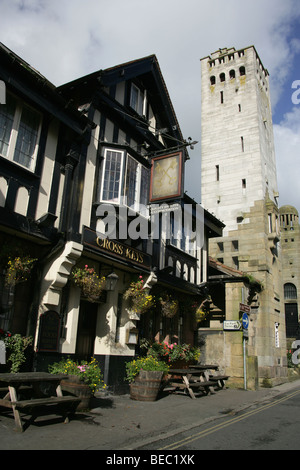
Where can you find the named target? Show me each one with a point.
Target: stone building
(290, 242)
(239, 185)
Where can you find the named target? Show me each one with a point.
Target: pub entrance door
(86, 331)
(291, 320)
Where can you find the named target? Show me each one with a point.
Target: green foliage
(18, 269)
(144, 363)
(172, 352)
(140, 299)
(88, 372)
(16, 346)
(87, 279)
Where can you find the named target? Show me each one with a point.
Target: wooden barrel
(146, 385)
(74, 386)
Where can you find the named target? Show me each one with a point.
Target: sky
(67, 39)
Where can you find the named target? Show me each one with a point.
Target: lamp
(111, 281)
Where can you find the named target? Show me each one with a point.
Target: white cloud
(287, 145)
(65, 39)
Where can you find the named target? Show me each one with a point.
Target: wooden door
(86, 331)
(291, 320)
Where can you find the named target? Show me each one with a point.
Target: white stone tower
(238, 159)
(239, 185)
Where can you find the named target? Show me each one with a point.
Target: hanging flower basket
(88, 281)
(18, 269)
(139, 298)
(201, 311)
(169, 306)
(200, 315)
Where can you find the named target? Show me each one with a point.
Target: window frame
(290, 291)
(140, 107)
(124, 166)
(101, 198)
(15, 132)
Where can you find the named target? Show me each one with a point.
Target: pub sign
(166, 177)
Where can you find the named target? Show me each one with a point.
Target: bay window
(19, 132)
(124, 180)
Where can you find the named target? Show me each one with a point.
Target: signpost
(245, 309)
(232, 325)
(245, 321)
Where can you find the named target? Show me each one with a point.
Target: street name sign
(244, 308)
(232, 325)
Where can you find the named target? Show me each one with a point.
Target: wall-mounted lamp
(111, 281)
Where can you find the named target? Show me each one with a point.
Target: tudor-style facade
(106, 153)
(134, 168)
(37, 131)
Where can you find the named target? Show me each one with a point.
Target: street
(273, 425)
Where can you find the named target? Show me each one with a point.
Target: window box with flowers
(140, 301)
(89, 282)
(82, 380)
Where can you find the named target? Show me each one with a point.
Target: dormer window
(138, 100)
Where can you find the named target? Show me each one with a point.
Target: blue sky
(66, 39)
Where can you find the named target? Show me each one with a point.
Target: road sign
(244, 308)
(232, 325)
(245, 321)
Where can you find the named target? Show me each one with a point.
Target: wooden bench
(194, 385)
(13, 384)
(44, 401)
(47, 402)
(202, 384)
(219, 379)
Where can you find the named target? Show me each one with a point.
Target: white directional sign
(232, 325)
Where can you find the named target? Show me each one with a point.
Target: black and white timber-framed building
(98, 141)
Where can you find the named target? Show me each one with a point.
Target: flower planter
(181, 364)
(146, 385)
(73, 385)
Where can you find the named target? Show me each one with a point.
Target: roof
(224, 269)
(225, 272)
(288, 210)
(20, 76)
(146, 69)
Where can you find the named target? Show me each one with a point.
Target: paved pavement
(118, 423)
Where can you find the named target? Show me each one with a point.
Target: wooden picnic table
(189, 380)
(13, 385)
(205, 366)
(216, 378)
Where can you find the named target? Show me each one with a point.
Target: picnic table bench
(31, 381)
(217, 379)
(190, 380)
